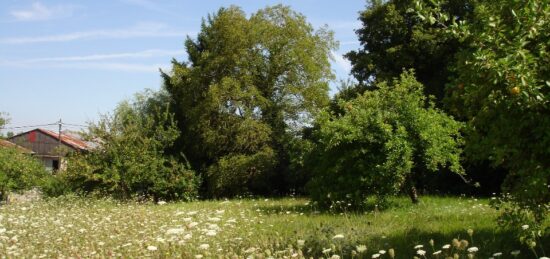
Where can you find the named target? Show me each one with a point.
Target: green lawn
(75, 227)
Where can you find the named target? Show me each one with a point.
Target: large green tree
(386, 139)
(502, 87)
(248, 87)
(394, 38)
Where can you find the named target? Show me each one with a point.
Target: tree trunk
(413, 194)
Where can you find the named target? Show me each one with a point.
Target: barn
(50, 147)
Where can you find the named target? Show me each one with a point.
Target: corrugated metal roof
(66, 139)
(7, 144)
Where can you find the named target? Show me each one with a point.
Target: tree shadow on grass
(337, 209)
(487, 240)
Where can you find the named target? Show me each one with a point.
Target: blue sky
(77, 59)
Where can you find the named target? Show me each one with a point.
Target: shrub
(239, 174)
(385, 139)
(18, 171)
(130, 160)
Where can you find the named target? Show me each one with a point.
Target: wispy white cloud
(99, 61)
(40, 12)
(343, 63)
(140, 30)
(117, 66)
(111, 66)
(95, 57)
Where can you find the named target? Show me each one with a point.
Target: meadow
(71, 227)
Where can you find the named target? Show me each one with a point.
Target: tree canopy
(249, 85)
(394, 38)
(384, 141)
(501, 88)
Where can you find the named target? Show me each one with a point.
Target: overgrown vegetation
(19, 171)
(384, 141)
(130, 160)
(501, 88)
(249, 112)
(260, 228)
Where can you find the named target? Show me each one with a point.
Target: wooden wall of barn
(40, 143)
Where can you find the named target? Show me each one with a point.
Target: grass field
(76, 227)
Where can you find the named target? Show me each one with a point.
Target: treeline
(444, 90)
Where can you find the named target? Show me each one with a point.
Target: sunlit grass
(75, 227)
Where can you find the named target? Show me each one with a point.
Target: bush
(55, 185)
(19, 172)
(239, 174)
(131, 160)
(385, 140)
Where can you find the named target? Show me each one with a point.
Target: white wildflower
(214, 219)
(161, 202)
(335, 257)
(361, 248)
(192, 224)
(497, 254)
(382, 252)
(418, 247)
(339, 236)
(204, 246)
(375, 255)
(515, 252)
(2, 230)
(199, 256)
(191, 213)
(447, 246)
(326, 250)
(211, 233)
(175, 231)
(525, 227)
(152, 248)
(421, 252)
(301, 242)
(250, 250)
(473, 249)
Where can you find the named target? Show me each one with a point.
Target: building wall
(41, 143)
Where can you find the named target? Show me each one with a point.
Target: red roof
(65, 139)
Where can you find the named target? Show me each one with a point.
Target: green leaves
(504, 68)
(385, 137)
(19, 171)
(251, 84)
(130, 160)
(393, 38)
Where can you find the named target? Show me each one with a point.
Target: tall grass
(76, 227)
